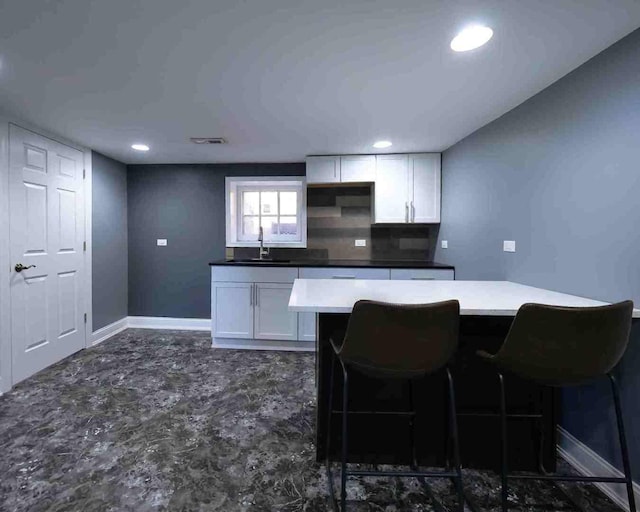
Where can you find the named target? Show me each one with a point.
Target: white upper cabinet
(357, 168)
(323, 169)
(392, 189)
(425, 199)
(407, 189)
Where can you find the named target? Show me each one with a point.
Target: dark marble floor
(157, 420)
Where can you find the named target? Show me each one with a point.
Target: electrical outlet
(509, 246)
(361, 243)
(444, 244)
(161, 242)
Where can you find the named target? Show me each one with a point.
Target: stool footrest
(381, 413)
(408, 474)
(568, 478)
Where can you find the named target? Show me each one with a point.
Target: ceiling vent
(208, 140)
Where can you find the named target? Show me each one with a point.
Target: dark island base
(386, 439)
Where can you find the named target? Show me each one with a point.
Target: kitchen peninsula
(487, 309)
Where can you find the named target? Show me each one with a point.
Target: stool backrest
(401, 340)
(563, 346)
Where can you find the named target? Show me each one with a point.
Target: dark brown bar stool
(560, 346)
(390, 341)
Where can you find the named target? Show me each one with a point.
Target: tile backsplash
(338, 216)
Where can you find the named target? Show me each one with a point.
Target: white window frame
(235, 186)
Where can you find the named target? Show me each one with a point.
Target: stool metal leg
(623, 443)
(456, 441)
(503, 431)
(328, 443)
(345, 401)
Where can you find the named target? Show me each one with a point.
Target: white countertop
(484, 298)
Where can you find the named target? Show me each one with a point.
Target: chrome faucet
(263, 251)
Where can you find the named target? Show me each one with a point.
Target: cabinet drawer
(425, 274)
(254, 274)
(344, 273)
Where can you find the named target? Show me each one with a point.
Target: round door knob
(20, 267)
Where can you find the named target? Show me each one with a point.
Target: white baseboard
(178, 324)
(196, 324)
(109, 330)
(251, 344)
(589, 463)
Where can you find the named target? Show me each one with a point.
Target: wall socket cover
(361, 243)
(444, 244)
(509, 246)
(161, 242)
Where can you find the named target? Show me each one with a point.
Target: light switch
(509, 246)
(161, 242)
(361, 243)
(444, 244)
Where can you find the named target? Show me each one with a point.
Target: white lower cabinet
(272, 318)
(232, 310)
(250, 305)
(306, 326)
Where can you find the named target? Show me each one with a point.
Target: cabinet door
(391, 189)
(273, 320)
(357, 168)
(323, 169)
(306, 326)
(232, 310)
(425, 196)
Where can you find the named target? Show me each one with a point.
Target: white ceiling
(280, 79)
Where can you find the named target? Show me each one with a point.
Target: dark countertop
(335, 263)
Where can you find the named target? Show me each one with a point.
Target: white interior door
(46, 222)
(391, 189)
(273, 320)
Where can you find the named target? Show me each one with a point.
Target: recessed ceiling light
(208, 140)
(471, 38)
(381, 144)
(140, 147)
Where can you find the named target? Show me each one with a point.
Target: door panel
(357, 168)
(46, 195)
(426, 188)
(391, 189)
(306, 326)
(323, 169)
(232, 310)
(273, 320)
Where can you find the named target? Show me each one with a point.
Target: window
(278, 205)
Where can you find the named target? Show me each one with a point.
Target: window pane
(288, 225)
(270, 227)
(250, 203)
(250, 228)
(269, 203)
(288, 203)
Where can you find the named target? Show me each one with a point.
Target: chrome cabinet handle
(20, 267)
(406, 211)
(423, 278)
(413, 213)
(257, 301)
(343, 277)
(251, 296)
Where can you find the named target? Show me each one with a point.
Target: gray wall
(560, 175)
(185, 205)
(109, 233)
